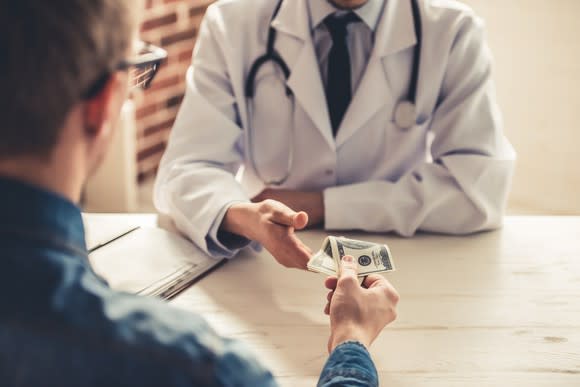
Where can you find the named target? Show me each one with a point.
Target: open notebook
(148, 260)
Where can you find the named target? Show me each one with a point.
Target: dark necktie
(338, 83)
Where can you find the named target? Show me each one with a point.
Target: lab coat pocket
(271, 122)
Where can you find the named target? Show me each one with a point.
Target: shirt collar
(35, 214)
(369, 13)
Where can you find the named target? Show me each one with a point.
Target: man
(351, 155)
(64, 68)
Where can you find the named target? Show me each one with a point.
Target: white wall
(113, 188)
(536, 44)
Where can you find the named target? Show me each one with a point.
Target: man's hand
(310, 202)
(357, 313)
(272, 224)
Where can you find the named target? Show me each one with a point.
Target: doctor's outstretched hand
(358, 312)
(311, 202)
(272, 224)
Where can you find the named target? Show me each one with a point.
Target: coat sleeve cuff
(222, 243)
(350, 364)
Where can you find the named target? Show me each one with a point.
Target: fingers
(330, 283)
(301, 251)
(377, 283)
(373, 280)
(284, 215)
(328, 301)
(286, 247)
(347, 279)
(300, 245)
(329, 296)
(348, 268)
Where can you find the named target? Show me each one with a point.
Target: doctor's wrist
(315, 208)
(237, 220)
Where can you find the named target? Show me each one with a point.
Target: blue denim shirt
(60, 324)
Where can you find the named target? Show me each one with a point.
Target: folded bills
(370, 257)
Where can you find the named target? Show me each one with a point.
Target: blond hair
(50, 54)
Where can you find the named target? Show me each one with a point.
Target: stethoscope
(405, 111)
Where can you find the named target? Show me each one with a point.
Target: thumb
(281, 213)
(348, 268)
(300, 220)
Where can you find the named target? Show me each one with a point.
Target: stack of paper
(151, 261)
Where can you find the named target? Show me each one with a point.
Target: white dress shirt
(360, 36)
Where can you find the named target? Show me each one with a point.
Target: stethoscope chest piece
(406, 115)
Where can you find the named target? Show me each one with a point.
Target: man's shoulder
(241, 9)
(143, 322)
(182, 340)
(447, 22)
(238, 25)
(450, 13)
(83, 333)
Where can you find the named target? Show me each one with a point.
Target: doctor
(377, 115)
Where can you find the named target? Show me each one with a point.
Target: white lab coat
(449, 173)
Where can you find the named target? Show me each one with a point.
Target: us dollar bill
(323, 261)
(370, 257)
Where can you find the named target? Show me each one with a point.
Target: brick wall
(173, 25)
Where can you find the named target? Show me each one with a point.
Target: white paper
(100, 230)
(151, 261)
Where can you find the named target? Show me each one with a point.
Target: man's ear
(97, 109)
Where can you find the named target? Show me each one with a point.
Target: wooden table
(491, 309)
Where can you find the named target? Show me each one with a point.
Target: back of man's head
(51, 53)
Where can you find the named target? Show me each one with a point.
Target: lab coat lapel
(394, 33)
(294, 44)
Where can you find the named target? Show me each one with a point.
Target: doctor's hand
(358, 312)
(272, 224)
(310, 202)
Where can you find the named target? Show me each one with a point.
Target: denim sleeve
(183, 344)
(349, 365)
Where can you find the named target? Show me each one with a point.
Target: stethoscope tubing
(405, 111)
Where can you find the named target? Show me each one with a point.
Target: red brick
(160, 116)
(163, 83)
(197, 11)
(158, 127)
(185, 56)
(159, 22)
(161, 96)
(145, 175)
(152, 150)
(174, 101)
(146, 110)
(158, 106)
(180, 36)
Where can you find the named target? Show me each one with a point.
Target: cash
(370, 257)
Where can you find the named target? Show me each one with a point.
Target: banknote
(323, 261)
(370, 257)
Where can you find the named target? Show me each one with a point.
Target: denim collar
(32, 214)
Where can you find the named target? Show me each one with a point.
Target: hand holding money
(369, 257)
(358, 313)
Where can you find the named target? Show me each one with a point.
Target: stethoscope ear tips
(406, 115)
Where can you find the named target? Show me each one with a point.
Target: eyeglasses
(142, 69)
